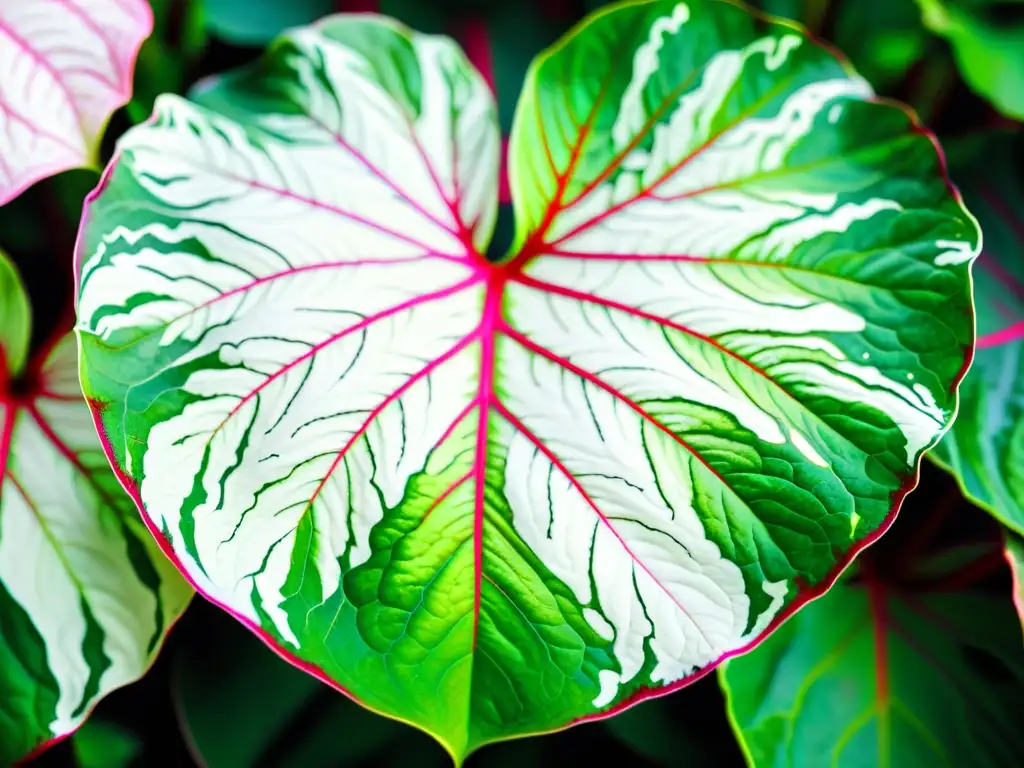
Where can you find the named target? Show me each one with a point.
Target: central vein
(485, 399)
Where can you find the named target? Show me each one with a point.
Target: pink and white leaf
(67, 66)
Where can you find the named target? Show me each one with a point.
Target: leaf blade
(624, 529)
(983, 450)
(109, 597)
(879, 664)
(431, 206)
(71, 66)
(15, 320)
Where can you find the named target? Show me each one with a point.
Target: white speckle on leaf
(958, 252)
(786, 45)
(599, 624)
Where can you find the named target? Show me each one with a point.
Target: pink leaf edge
(38, 141)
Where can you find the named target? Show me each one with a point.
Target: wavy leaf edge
(972, 451)
(40, 387)
(518, 257)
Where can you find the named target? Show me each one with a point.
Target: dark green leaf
(985, 448)
(988, 40)
(99, 744)
(873, 675)
(257, 21)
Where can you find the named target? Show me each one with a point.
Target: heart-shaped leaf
(985, 447)
(495, 498)
(885, 675)
(86, 597)
(67, 65)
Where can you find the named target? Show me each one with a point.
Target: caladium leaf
(67, 66)
(86, 597)
(872, 674)
(985, 447)
(495, 498)
(15, 319)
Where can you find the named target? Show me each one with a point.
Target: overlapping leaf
(987, 37)
(85, 595)
(873, 674)
(493, 499)
(67, 64)
(985, 447)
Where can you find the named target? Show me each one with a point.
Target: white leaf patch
(66, 537)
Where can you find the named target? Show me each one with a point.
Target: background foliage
(217, 696)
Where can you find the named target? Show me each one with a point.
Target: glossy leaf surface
(494, 498)
(873, 674)
(67, 65)
(86, 597)
(985, 447)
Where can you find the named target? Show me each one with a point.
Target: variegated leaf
(86, 597)
(985, 447)
(883, 674)
(67, 65)
(495, 498)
